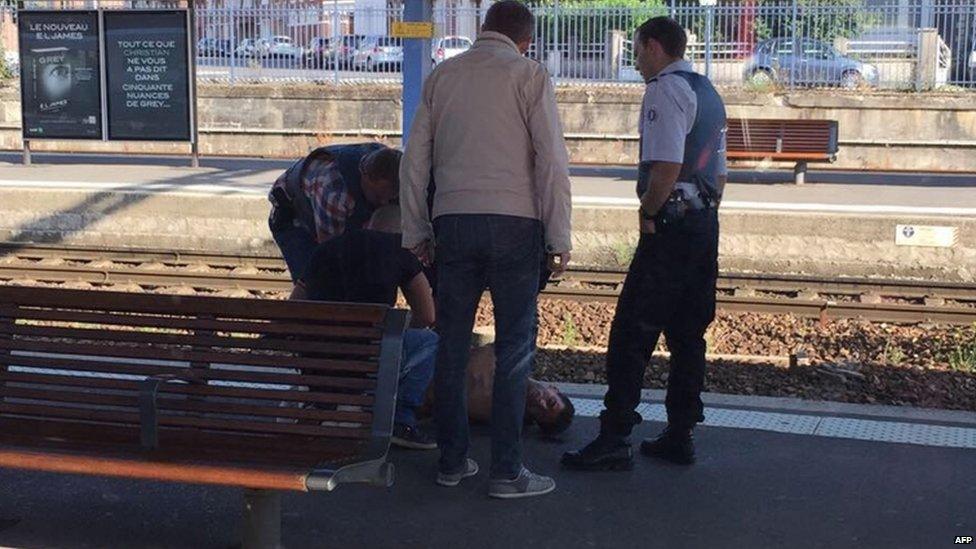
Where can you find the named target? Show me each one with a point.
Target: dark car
(319, 54)
(806, 62)
(213, 47)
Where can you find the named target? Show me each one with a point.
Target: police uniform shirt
(667, 116)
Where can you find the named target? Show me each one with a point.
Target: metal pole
(194, 130)
(27, 152)
(416, 62)
(796, 42)
(336, 41)
(709, 30)
(555, 37)
(233, 15)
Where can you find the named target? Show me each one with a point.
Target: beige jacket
(488, 130)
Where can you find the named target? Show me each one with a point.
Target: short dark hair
(563, 420)
(668, 32)
(383, 164)
(511, 18)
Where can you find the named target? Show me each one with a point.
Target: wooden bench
(799, 141)
(259, 394)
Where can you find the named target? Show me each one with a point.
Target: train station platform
(771, 473)
(838, 223)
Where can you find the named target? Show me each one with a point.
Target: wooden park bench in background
(799, 141)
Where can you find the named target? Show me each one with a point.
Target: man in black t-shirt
(369, 266)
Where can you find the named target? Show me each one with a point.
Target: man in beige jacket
(488, 132)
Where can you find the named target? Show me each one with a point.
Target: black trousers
(669, 288)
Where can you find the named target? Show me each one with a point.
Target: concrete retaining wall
(878, 131)
(810, 243)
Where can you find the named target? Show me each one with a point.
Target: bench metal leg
(262, 519)
(800, 173)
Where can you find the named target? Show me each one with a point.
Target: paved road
(949, 194)
(749, 489)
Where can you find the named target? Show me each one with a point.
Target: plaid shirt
(332, 204)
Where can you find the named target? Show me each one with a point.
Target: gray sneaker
(453, 479)
(525, 485)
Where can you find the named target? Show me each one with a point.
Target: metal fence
(757, 44)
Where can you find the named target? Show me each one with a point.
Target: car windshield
(456, 43)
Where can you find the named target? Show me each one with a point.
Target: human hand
(558, 263)
(646, 225)
(424, 252)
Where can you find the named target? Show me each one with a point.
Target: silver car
(806, 62)
(379, 53)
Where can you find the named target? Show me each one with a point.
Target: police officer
(670, 286)
(330, 191)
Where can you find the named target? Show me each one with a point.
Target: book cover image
(60, 75)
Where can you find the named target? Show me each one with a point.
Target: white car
(384, 53)
(12, 60)
(253, 48)
(449, 46)
(972, 64)
(282, 46)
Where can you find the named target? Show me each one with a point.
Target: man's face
(649, 57)
(379, 192)
(545, 403)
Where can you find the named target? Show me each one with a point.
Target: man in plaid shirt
(330, 191)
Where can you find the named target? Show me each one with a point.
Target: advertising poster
(60, 77)
(147, 82)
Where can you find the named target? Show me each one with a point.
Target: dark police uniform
(670, 286)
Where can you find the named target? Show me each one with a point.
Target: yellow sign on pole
(413, 29)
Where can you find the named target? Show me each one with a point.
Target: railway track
(818, 297)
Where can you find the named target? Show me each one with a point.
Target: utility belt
(685, 199)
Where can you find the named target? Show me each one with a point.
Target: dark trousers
(502, 254)
(669, 288)
(296, 245)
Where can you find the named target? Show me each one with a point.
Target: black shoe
(413, 438)
(674, 445)
(606, 453)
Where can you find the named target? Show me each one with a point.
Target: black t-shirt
(361, 266)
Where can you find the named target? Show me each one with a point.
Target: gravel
(847, 360)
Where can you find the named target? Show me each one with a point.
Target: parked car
(283, 46)
(379, 53)
(972, 64)
(12, 61)
(347, 48)
(319, 54)
(251, 47)
(449, 46)
(806, 62)
(213, 47)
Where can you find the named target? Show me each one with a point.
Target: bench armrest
(371, 467)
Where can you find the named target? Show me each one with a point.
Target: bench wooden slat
(171, 402)
(193, 374)
(226, 447)
(321, 350)
(62, 412)
(332, 332)
(141, 352)
(290, 395)
(269, 309)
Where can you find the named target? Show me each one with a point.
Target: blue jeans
(296, 245)
(504, 255)
(416, 371)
